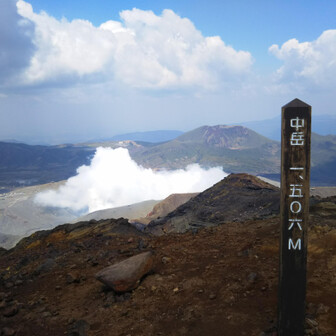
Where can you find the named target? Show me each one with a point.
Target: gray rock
(252, 277)
(110, 299)
(46, 266)
(322, 309)
(142, 244)
(79, 328)
(311, 323)
(125, 275)
(165, 260)
(46, 314)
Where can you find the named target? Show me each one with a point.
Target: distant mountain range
(24, 165)
(237, 149)
(271, 128)
(146, 136)
(149, 136)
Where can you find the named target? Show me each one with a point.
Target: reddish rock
(72, 278)
(125, 275)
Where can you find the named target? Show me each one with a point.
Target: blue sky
(136, 66)
(244, 24)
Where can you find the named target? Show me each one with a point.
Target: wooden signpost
(295, 174)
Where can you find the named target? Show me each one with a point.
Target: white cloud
(65, 48)
(113, 179)
(16, 47)
(309, 65)
(144, 50)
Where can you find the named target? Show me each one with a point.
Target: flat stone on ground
(125, 275)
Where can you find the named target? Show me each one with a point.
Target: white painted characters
(295, 206)
(297, 138)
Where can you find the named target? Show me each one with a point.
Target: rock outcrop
(237, 197)
(164, 207)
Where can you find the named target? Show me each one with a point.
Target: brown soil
(217, 281)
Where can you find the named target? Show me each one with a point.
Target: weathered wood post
(295, 174)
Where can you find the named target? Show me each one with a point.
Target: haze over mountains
(238, 149)
(271, 128)
(150, 136)
(232, 147)
(235, 148)
(24, 165)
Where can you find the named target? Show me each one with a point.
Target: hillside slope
(216, 281)
(24, 165)
(237, 197)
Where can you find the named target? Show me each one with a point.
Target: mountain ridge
(237, 197)
(235, 148)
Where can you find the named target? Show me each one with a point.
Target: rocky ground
(236, 198)
(21, 216)
(219, 280)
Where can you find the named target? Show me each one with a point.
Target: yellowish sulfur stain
(34, 244)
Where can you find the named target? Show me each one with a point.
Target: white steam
(113, 179)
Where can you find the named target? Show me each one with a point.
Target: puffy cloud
(308, 64)
(64, 49)
(143, 50)
(16, 47)
(113, 179)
